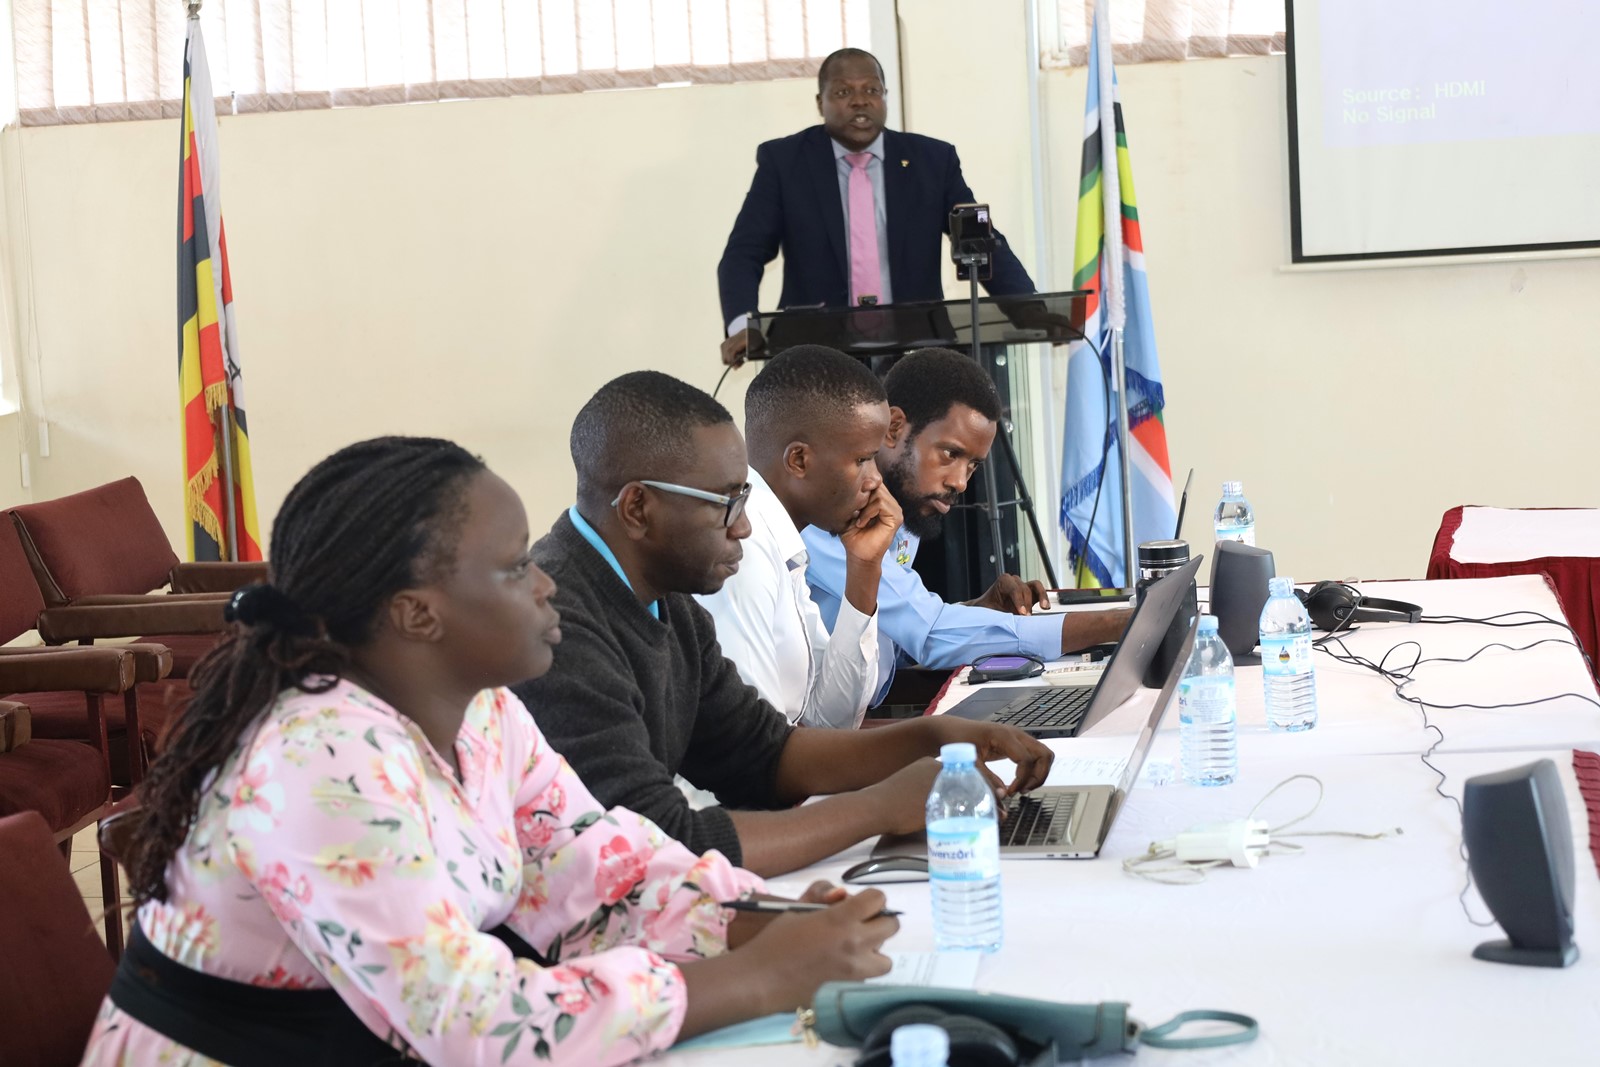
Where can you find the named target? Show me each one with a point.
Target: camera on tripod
(972, 241)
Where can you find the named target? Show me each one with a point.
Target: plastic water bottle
(1286, 659)
(1235, 518)
(1208, 711)
(919, 1045)
(963, 854)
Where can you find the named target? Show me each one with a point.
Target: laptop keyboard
(1037, 820)
(1052, 709)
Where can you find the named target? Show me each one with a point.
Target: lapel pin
(905, 162)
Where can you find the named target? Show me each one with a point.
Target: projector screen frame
(1297, 249)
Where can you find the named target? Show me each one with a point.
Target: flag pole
(1120, 376)
(224, 426)
(1113, 300)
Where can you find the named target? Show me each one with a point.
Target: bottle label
(1206, 700)
(1243, 534)
(1286, 654)
(964, 850)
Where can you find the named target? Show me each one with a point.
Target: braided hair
(370, 520)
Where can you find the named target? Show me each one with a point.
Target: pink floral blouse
(336, 848)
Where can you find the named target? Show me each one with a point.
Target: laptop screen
(1169, 685)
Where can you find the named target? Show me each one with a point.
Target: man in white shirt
(814, 422)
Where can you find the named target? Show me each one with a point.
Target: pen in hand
(780, 906)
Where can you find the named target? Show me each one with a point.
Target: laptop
(1057, 821)
(1068, 710)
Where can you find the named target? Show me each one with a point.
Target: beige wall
(476, 269)
(473, 270)
(12, 491)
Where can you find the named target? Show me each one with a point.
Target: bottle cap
(1208, 625)
(958, 752)
(1280, 586)
(1233, 489)
(919, 1043)
(1163, 553)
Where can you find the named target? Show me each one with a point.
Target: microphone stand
(972, 260)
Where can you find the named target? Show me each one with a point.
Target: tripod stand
(972, 259)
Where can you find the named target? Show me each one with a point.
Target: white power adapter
(1241, 842)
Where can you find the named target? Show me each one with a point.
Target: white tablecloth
(1505, 535)
(1357, 952)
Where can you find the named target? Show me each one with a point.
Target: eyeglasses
(733, 505)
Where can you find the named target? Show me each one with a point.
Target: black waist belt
(251, 1026)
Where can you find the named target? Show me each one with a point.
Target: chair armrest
(151, 662)
(100, 600)
(151, 615)
(16, 725)
(119, 827)
(84, 670)
(215, 577)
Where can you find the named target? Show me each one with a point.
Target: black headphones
(973, 1041)
(1337, 606)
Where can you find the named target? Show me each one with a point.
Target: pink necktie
(866, 277)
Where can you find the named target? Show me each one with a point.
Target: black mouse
(888, 869)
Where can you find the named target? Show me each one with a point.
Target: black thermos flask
(1156, 560)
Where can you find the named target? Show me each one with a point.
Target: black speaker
(1239, 575)
(1337, 606)
(1519, 848)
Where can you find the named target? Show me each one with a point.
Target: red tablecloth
(1576, 580)
(1587, 767)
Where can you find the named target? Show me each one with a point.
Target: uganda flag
(1108, 261)
(216, 442)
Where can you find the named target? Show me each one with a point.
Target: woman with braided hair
(358, 849)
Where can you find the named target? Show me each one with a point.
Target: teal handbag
(845, 1013)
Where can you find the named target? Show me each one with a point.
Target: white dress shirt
(769, 626)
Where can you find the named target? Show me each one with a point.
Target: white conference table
(1356, 952)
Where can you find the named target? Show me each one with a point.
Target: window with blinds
(107, 60)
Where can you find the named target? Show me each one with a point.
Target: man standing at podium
(856, 210)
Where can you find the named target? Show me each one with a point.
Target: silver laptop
(1053, 822)
(1068, 710)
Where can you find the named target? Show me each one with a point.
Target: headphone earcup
(977, 1043)
(1330, 605)
(973, 1042)
(875, 1046)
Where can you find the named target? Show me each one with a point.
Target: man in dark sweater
(640, 690)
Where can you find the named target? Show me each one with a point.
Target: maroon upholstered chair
(104, 548)
(63, 713)
(55, 970)
(66, 783)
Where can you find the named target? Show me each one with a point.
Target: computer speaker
(1519, 848)
(1239, 575)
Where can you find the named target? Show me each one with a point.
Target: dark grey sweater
(632, 700)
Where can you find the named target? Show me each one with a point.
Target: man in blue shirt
(943, 414)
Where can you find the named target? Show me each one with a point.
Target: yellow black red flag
(216, 440)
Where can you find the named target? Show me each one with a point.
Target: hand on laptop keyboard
(995, 742)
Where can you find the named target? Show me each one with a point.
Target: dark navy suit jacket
(794, 205)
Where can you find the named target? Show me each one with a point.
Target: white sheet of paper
(946, 970)
(1088, 770)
